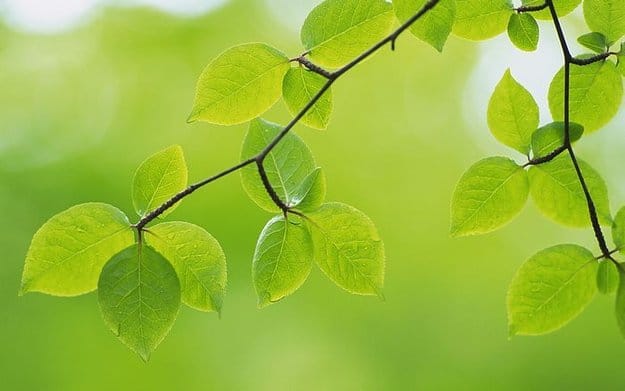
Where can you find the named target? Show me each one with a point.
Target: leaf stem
(531, 8)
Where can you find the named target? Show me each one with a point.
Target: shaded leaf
(523, 31)
(299, 88)
(551, 137)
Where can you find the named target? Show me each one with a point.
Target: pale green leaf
(481, 19)
(607, 277)
(596, 93)
(311, 193)
(488, 196)
(551, 137)
(557, 192)
(433, 27)
(139, 296)
(198, 260)
(606, 17)
(513, 114)
(299, 88)
(551, 289)
(594, 41)
(563, 7)
(618, 230)
(348, 248)
(287, 165)
(523, 31)
(68, 252)
(282, 260)
(337, 31)
(158, 178)
(239, 85)
(620, 64)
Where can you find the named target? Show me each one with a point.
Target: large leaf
(606, 17)
(287, 165)
(198, 259)
(299, 88)
(551, 289)
(337, 31)
(139, 296)
(433, 27)
(348, 248)
(563, 7)
(159, 178)
(282, 260)
(68, 252)
(550, 137)
(523, 32)
(481, 19)
(489, 195)
(239, 85)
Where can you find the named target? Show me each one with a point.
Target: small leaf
(556, 190)
(337, 31)
(481, 19)
(551, 137)
(523, 32)
(563, 7)
(158, 178)
(513, 114)
(139, 296)
(618, 230)
(551, 289)
(488, 196)
(312, 192)
(198, 260)
(607, 277)
(299, 88)
(282, 260)
(348, 248)
(594, 41)
(433, 27)
(239, 85)
(68, 252)
(607, 17)
(596, 94)
(287, 165)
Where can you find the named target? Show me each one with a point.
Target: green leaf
(551, 137)
(239, 85)
(607, 277)
(311, 194)
(551, 289)
(618, 230)
(282, 260)
(596, 94)
(348, 248)
(139, 296)
(481, 19)
(563, 7)
(287, 165)
(488, 196)
(198, 260)
(556, 191)
(513, 114)
(158, 178)
(68, 252)
(523, 32)
(337, 31)
(620, 64)
(433, 27)
(596, 42)
(607, 17)
(299, 88)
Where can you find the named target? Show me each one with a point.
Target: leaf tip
(193, 117)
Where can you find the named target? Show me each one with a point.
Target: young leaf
(287, 165)
(523, 32)
(594, 41)
(158, 178)
(282, 260)
(551, 137)
(488, 196)
(337, 31)
(563, 7)
(481, 19)
(198, 259)
(239, 85)
(433, 27)
(556, 191)
(607, 277)
(68, 252)
(551, 289)
(299, 88)
(596, 94)
(139, 296)
(311, 193)
(512, 114)
(348, 248)
(607, 17)
(618, 230)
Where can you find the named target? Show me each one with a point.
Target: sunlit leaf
(523, 31)
(481, 19)
(550, 137)
(563, 7)
(311, 193)
(607, 277)
(433, 27)
(596, 42)
(618, 230)
(299, 88)
(606, 17)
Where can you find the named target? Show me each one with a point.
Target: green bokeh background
(80, 110)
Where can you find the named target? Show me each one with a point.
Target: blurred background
(90, 88)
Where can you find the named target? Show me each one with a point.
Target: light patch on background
(291, 13)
